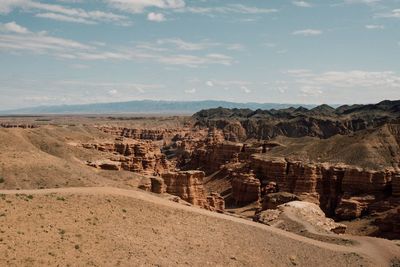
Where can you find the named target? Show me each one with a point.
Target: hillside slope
(106, 226)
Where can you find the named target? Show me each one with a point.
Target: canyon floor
(60, 207)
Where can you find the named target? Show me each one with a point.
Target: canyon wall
(136, 156)
(246, 188)
(188, 185)
(334, 187)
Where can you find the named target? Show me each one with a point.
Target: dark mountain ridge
(322, 121)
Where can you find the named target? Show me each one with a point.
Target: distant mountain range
(146, 107)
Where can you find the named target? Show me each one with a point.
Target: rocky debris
(105, 165)
(246, 188)
(18, 125)
(268, 217)
(273, 200)
(305, 213)
(188, 185)
(271, 187)
(353, 207)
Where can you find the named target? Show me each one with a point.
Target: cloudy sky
(85, 51)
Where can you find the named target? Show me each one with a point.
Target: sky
(271, 51)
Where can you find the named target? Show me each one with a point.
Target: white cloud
(350, 79)
(63, 13)
(157, 17)
(374, 27)
(367, 2)
(231, 8)
(42, 43)
(194, 61)
(235, 47)
(112, 92)
(307, 32)
(184, 45)
(61, 17)
(13, 27)
(190, 46)
(245, 89)
(310, 91)
(139, 6)
(269, 45)
(190, 91)
(209, 83)
(395, 13)
(38, 43)
(6, 6)
(301, 4)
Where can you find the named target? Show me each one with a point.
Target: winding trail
(379, 251)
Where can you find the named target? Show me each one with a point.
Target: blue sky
(86, 51)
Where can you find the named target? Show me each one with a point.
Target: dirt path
(378, 251)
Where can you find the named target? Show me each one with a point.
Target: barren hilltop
(234, 187)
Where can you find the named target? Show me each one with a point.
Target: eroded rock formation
(246, 188)
(136, 156)
(303, 213)
(18, 125)
(328, 185)
(188, 185)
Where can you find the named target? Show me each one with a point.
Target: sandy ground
(117, 227)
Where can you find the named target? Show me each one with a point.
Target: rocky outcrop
(396, 185)
(212, 156)
(157, 185)
(389, 225)
(144, 134)
(136, 156)
(353, 207)
(18, 125)
(359, 181)
(273, 200)
(216, 202)
(322, 121)
(105, 165)
(325, 184)
(307, 215)
(245, 188)
(188, 185)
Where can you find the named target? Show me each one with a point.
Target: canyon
(318, 173)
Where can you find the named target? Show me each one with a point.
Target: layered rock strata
(188, 185)
(327, 184)
(245, 188)
(136, 156)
